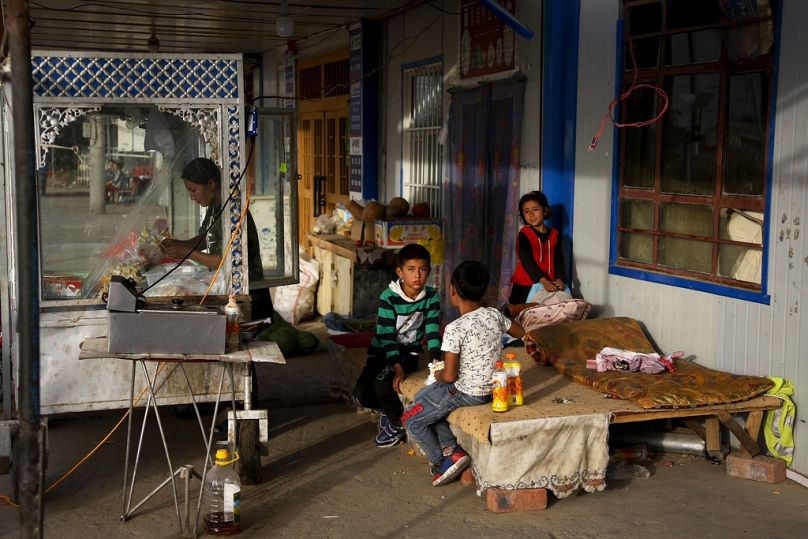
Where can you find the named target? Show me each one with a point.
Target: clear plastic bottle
(232, 311)
(500, 389)
(514, 369)
(222, 497)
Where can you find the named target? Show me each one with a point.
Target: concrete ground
(326, 478)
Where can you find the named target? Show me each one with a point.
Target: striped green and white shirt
(403, 323)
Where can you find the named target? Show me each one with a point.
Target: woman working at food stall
(203, 180)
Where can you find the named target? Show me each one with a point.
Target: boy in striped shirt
(409, 312)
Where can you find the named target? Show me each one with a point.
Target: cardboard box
(397, 233)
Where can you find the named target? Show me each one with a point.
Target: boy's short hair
(470, 280)
(413, 251)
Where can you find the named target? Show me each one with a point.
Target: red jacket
(542, 254)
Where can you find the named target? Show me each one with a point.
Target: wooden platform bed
(558, 441)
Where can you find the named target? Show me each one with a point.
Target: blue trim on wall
(701, 286)
(672, 280)
(560, 27)
(371, 45)
(616, 140)
(404, 67)
(778, 26)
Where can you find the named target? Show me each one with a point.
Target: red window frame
(717, 200)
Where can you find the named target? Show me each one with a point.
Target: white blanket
(560, 454)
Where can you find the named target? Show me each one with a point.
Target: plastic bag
(179, 284)
(295, 302)
(326, 223)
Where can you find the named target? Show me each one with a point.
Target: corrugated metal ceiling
(189, 26)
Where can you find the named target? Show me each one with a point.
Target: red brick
(759, 468)
(507, 501)
(467, 478)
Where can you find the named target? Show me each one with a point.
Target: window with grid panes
(423, 117)
(692, 186)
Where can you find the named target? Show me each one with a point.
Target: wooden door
(323, 85)
(310, 166)
(336, 158)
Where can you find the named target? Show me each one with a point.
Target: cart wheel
(249, 452)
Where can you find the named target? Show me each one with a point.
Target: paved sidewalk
(325, 478)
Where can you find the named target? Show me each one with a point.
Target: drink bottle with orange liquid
(500, 389)
(513, 370)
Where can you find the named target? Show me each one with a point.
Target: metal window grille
(422, 152)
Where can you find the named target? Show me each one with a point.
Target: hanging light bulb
(153, 44)
(285, 25)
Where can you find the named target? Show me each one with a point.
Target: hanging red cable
(622, 97)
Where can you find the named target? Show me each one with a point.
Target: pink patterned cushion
(544, 315)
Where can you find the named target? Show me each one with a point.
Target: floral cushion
(567, 346)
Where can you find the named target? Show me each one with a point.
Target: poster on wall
(289, 78)
(486, 43)
(355, 111)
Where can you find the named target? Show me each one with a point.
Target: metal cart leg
(252, 439)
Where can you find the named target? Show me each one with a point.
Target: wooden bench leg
(713, 437)
(749, 446)
(696, 427)
(753, 423)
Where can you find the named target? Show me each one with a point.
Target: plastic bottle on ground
(637, 453)
(222, 497)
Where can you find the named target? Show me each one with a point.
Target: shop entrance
(322, 137)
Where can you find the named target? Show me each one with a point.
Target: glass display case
(113, 132)
(109, 195)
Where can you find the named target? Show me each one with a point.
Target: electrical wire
(442, 10)
(233, 236)
(5, 499)
(210, 226)
(622, 97)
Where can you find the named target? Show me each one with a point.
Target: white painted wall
(424, 33)
(727, 334)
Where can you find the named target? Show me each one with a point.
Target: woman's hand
(560, 285)
(174, 248)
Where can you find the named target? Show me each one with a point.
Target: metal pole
(505, 16)
(27, 455)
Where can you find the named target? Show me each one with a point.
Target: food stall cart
(112, 132)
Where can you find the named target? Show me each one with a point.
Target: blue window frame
(690, 204)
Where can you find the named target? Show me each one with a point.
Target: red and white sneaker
(450, 467)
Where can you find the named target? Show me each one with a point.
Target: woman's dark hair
(201, 170)
(539, 198)
(470, 280)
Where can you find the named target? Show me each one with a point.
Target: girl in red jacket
(538, 251)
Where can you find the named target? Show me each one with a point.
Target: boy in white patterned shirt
(471, 346)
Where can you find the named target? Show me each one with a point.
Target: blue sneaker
(390, 436)
(384, 423)
(449, 468)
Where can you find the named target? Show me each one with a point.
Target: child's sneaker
(390, 436)
(450, 467)
(384, 422)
